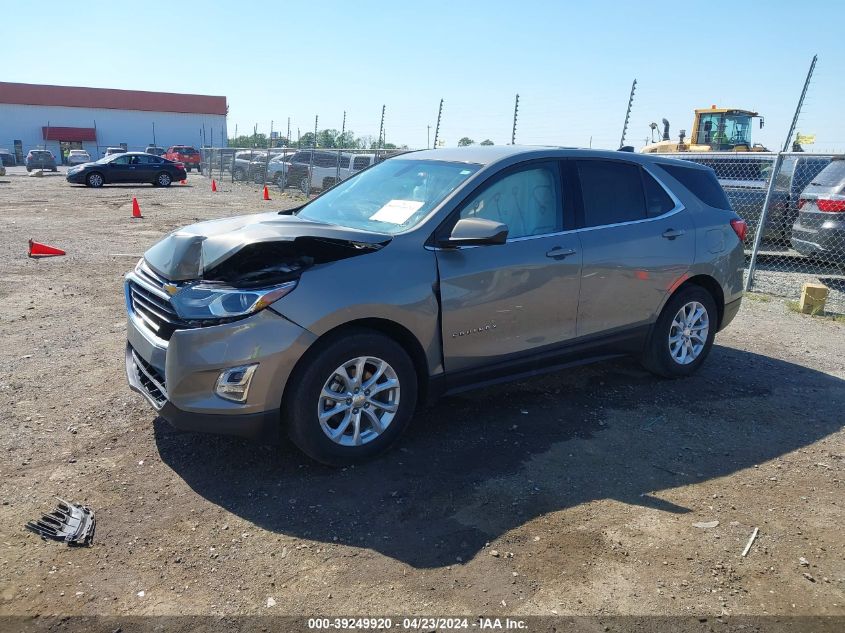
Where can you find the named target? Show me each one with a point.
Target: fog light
(233, 383)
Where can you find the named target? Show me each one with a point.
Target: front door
(502, 301)
(638, 243)
(118, 170)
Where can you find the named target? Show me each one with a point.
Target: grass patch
(832, 316)
(756, 296)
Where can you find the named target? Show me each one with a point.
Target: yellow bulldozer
(713, 130)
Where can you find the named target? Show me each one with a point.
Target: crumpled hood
(188, 252)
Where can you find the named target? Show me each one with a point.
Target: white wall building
(59, 118)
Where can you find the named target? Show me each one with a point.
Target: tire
(187, 169)
(303, 185)
(279, 180)
(55, 169)
(29, 169)
(677, 360)
(239, 174)
(163, 179)
(94, 179)
(319, 374)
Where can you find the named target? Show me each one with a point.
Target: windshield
(391, 197)
(724, 130)
(107, 159)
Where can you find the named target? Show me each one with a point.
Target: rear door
(638, 242)
(502, 301)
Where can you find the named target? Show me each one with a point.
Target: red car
(185, 154)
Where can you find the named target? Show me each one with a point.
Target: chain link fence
(309, 170)
(798, 236)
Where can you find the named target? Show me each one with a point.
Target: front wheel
(352, 398)
(683, 334)
(163, 179)
(94, 180)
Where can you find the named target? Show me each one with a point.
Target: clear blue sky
(572, 63)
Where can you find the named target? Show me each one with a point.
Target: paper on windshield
(397, 211)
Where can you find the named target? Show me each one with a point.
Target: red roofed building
(60, 118)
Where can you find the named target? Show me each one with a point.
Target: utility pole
(270, 140)
(154, 132)
(628, 113)
(343, 130)
(288, 136)
(428, 137)
(437, 128)
(311, 160)
(515, 114)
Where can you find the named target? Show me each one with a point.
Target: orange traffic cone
(213, 185)
(136, 209)
(266, 193)
(36, 249)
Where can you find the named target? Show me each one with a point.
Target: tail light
(801, 203)
(830, 205)
(180, 165)
(740, 228)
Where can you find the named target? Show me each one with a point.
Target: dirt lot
(576, 493)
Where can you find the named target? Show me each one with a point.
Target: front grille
(151, 380)
(152, 308)
(156, 312)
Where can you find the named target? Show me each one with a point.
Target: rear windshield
(701, 183)
(832, 175)
(41, 153)
(184, 150)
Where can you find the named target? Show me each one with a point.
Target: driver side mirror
(475, 232)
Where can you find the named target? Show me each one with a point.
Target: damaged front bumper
(178, 376)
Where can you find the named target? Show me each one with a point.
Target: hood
(261, 240)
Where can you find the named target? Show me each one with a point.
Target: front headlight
(203, 301)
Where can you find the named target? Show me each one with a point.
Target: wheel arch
(713, 287)
(391, 329)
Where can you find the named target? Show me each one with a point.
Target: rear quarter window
(701, 183)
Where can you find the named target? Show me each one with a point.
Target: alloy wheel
(358, 401)
(688, 333)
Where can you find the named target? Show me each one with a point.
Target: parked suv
(40, 159)
(155, 150)
(491, 263)
(184, 154)
(78, 157)
(819, 230)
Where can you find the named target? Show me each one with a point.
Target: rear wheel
(94, 179)
(239, 174)
(683, 334)
(279, 180)
(352, 398)
(303, 185)
(163, 180)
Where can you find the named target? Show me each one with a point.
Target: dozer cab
(713, 130)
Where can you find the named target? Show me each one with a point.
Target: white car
(327, 173)
(78, 157)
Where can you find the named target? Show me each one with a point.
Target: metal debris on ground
(70, 523)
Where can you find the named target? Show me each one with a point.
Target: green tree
(249, 140)
(465, 141)
(307, 140)
(486, 141)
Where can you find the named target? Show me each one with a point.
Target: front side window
(526, 201)
(612, 192)
(391, 197)
(122, 159)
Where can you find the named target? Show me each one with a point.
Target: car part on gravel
(70, 523)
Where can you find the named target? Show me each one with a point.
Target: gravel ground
(577, 493)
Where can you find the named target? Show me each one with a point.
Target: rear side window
(612, 192)
(701, 183)
(657, 201)
(360, 163)
(832, 175)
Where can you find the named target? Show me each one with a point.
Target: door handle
(558, 252)
(671, 234)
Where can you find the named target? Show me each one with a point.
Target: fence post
(758, 236)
